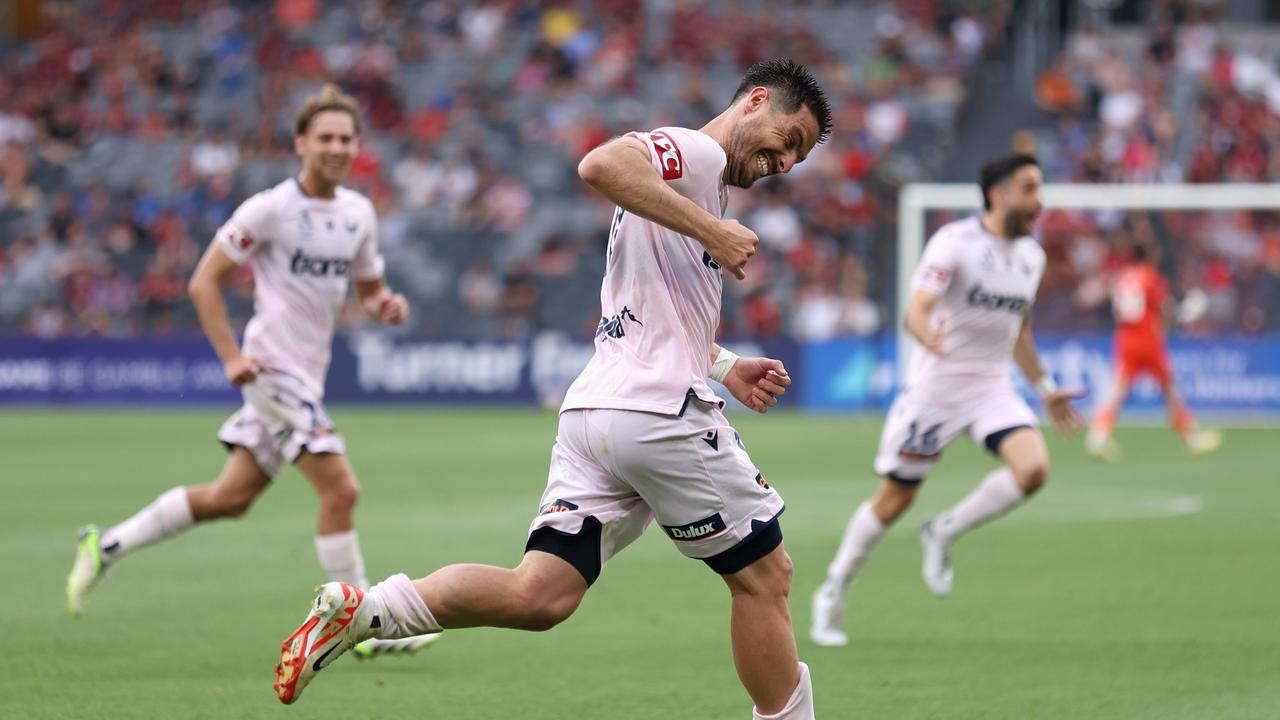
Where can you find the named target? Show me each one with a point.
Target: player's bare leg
(539, 594)
(1026, 470)
(174, 511)
(764, 644)
(869, 523)
(1199, 441)
(1099, 443)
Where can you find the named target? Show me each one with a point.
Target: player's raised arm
(621, 171)
(205, 289)
(1057, 401)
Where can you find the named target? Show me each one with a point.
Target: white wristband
(724, 362)
(1046, 386)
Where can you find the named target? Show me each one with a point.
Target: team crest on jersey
(239, 237)
(936, 275)
(351, 226)
(669, 157)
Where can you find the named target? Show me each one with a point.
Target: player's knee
(1033, 476)
(233, 504)
(543, 611)
(342, 494)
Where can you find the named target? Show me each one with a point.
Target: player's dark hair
(329, 97)
(792, 86)
(998, 170)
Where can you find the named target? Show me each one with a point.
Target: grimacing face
(329, 146)
(768, 141)
(1019, 195)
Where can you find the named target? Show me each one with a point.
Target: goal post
(917, 199)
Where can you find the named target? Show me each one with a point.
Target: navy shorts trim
(765, 537)
(900, 480)
(580, 549)
(993, 440)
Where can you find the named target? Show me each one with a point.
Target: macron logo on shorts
(698, 529)
(669, 156)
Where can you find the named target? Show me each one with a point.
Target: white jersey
(987, 285)
(660, 300)
(303, 251)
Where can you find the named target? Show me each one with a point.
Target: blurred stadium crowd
(129, 131)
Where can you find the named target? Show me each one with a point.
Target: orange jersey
(1137, 299)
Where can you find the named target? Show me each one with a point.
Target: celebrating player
(969, 311)
(304, 240)
(1139, 300)
(641, 433)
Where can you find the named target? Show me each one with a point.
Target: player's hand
(393, 309)
(1065, 418)
(732, 245)
(757, 382)
(242, 369)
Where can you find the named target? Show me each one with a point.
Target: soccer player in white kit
(305, 240)
(641, 434)
(969, 311)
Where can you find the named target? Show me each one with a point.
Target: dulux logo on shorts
(698, 529)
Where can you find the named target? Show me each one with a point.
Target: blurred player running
(969, 310)
(304, 239)
(641, 433)
(1139, 300)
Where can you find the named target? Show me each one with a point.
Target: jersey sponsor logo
(669, 157)
(557, 506)
(979, 297)
(615, 327)
(304, 264)
(698, 529)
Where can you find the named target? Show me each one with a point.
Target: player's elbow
(592, 168)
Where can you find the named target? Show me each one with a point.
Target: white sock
(340, 558)
(860, 538)
(400, 609)
(165, 517)
(996, 495)
(799, 707)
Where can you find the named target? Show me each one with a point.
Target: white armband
(724, 362)
(1046, 385)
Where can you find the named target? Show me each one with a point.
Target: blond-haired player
(642, 435)
(305, 240)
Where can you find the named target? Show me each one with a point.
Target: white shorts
(918, 429)
(614, 471)
(279, 419)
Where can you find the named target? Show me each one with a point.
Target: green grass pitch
(1146, 589)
